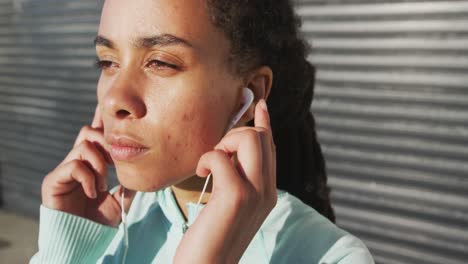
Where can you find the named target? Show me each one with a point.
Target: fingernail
(263, 105)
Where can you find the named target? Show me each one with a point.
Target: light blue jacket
(292, 233)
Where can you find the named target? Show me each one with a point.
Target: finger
(220, 165)
(76, 171)
(91, 134)
(250, 154)
(97, 120)
(88, 152)
(244, 128)
(97, 137)
(264, 125)
(268, 166)
(264, 135)
(128, 197)
(268, 150)
(258, 129)
(262, 117)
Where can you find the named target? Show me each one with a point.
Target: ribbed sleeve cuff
(66, 238)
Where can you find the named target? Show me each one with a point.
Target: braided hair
(265, 32)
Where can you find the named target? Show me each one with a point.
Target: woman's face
(165, 92)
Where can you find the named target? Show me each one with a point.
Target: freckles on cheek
(178, 147)
(187, 117)
(200, 132)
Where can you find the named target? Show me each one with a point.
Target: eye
(104, 64)
(161, 65)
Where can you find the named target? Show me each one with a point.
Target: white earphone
(248, 97)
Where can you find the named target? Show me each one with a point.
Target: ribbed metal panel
(47, 90)
(392, 110)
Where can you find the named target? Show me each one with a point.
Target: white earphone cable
(124, 225)
(203, 192)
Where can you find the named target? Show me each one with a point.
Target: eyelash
(104, 64)
(160, 63)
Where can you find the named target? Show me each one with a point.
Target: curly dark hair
(265, 32)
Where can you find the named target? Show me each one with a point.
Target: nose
(122, 100)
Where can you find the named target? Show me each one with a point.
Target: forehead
(123, 20)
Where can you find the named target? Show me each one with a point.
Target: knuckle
(212, 156)
(218, 154)
(79, 166)
(88, 149)
(204, 157)
(90, 154)
(86, 145)
(266, 133)
(102, 170)
(251, 135)
(85, 129)
(75, 165)
(233, 131)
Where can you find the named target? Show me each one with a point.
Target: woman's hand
(243, 194)
(79, 183)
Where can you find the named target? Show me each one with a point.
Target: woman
(172, 78)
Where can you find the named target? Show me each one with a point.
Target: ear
(259, 81)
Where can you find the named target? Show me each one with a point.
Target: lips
(125, 148)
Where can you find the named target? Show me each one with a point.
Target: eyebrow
(102, 41)
(146, 42)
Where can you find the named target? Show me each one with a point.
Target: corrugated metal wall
(392, 110)
(47, 90)
(391, 105)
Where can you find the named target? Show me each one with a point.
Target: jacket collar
(171, 210)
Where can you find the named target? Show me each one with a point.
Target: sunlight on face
(165, 90)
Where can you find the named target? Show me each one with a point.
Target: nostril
(122, 113)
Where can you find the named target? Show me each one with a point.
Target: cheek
(197, 130)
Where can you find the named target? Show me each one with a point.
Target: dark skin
(165, 73)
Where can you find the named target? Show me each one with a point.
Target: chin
(134, 180)
(137, 180)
